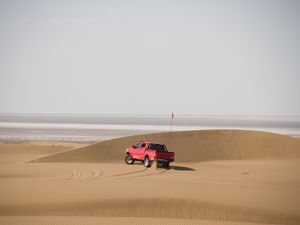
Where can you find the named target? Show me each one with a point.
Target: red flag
(172, 115)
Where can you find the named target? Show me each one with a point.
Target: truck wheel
(147, 162)
(167, 165)
(129, 160)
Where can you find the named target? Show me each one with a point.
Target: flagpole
(170, 131)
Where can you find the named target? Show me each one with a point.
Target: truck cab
(148, 152)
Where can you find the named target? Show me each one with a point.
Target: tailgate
(165, 155)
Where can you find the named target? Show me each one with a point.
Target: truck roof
(150, 142)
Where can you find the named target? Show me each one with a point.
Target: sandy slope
(193, 146)
(262, 188)
(23, 151)
(243, 191)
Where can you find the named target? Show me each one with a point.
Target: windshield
(158, 147)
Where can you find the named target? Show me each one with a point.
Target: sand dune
(206, 185)
(192, 146)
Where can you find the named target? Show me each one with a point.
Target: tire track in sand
(74, 175)
(95, 174)
(147, 170)
(153, 174)
(128, 173)
(79, 175)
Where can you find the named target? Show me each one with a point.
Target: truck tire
(147, 162)
(129, 160)
(167, 165)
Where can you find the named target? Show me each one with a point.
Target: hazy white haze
(198, 57)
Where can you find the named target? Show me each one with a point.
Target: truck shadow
(182, 168)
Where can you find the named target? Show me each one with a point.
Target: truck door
(141, 151)
(136, 151)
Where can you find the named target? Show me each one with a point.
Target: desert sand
(220, 177)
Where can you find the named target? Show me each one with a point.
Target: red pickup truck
(148, 152)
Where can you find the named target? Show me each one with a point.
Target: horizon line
(146, 114)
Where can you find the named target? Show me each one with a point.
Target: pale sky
(199, 57)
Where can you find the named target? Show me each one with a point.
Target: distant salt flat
(93, 128)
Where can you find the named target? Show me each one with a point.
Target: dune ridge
(24, 151)
(192, 146)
